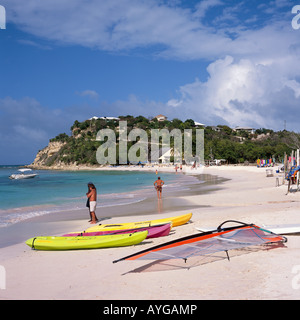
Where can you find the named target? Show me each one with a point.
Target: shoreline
(75, 167)
(62, 220)
(246, 195)
(114, 191)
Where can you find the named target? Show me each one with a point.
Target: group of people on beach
(92, 198)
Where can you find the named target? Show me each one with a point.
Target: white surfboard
(283, 228)
(278, 229)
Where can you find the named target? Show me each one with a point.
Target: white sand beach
(248, 196)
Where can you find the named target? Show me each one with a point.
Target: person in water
(158, 186)
(92, 202)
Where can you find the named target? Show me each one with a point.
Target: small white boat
(24, 174)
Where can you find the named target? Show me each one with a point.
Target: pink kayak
(153, 231)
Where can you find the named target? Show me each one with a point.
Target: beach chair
(269, 172)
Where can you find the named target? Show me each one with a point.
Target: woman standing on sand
(92, 201)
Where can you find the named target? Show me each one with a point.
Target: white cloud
(241, 92)
(203, 6)
(120, 25)
(253, 72)
(89, 93)
(174, 103)
(134, 106)
(174, 31)
(25, 127)
(30, 134)
(34, 44)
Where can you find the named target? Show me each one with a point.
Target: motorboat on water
(23, 174)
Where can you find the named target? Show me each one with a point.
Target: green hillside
(221, 142)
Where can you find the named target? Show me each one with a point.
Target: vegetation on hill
(221, 142)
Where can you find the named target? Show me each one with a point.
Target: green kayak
(94, 242)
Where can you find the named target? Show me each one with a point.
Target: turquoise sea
(65, 190)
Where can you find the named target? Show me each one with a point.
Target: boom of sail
(222, 239)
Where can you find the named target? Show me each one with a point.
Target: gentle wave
(9, 217)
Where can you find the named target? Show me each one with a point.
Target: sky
(218, 62)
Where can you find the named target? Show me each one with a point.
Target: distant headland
(237, 145)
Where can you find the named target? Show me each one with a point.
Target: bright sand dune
(249, 196)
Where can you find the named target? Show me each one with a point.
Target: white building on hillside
(247, 129)
(198, 124)
(161, 117)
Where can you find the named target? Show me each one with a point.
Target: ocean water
(66, 190)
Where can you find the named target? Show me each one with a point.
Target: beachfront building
(164, 155)
(161, 156)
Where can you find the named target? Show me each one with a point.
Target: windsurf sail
(292, 172)
(221, 239)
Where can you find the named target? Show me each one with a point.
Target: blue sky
(215, 61)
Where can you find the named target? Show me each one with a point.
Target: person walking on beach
(158, 186)
(92, 202)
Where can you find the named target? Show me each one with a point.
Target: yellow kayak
(96, 242)
(176, 221)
